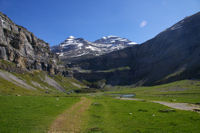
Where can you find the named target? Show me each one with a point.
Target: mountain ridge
(76, 48)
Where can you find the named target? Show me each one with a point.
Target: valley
(110, 85)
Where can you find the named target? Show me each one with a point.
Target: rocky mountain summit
(117, 42)
(22, 47)
(78, 48)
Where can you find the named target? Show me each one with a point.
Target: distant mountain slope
(78, 48)
(172, 55)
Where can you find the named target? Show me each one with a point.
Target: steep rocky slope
(172, 55)
(22, 47)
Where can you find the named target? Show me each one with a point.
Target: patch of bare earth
(181, 106)
(71, 120)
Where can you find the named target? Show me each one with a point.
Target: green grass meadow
(108, 115)
(34, 114)
(31, 114)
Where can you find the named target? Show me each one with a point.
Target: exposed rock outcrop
(22, 47)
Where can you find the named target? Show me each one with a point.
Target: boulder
(3, 53)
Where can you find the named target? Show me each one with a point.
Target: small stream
(127, 95)
(122, 95)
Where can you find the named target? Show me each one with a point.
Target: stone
(3, 53)
(167, 110)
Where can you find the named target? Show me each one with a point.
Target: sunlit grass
(25, 114)
(108, 115)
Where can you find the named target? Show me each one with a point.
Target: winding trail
(181, 106)
(70, 121)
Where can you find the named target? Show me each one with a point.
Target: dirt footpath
(70, 121)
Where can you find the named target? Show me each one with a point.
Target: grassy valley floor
(102, 112)
(35, 114)
(31, 114)
(108, 115)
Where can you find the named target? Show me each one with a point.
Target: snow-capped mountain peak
(71, 41)
(114, 40)
(71, 37)
(78, 47)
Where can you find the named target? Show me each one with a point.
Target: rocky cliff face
(22, 47)
(173, 54)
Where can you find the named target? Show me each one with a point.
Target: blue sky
(138, 20)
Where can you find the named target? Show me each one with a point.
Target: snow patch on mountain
(93, 48)
(177, 25)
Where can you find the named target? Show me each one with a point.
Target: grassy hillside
(42, 83)
(9, 88)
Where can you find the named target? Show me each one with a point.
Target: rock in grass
(173, 100)
(142, 110)
(167, 110)
(96, 104)
(196, 110)
(95, 129)
(197, 103)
